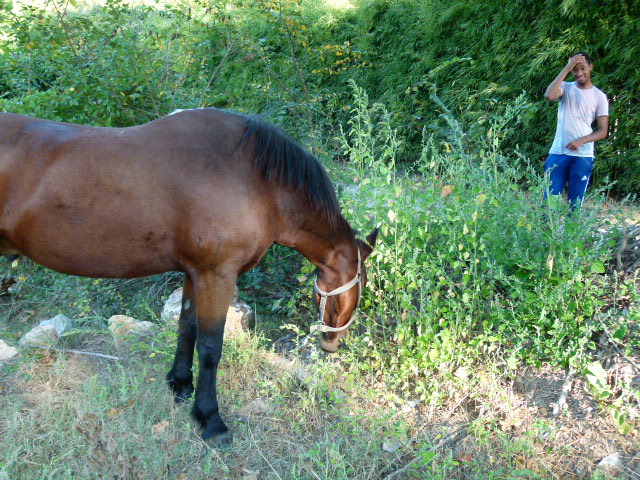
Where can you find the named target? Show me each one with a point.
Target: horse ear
(367, 248)
(373, 236)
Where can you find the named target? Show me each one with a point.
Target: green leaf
(597, 267)
(620, 333)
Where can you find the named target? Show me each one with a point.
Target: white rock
(60, 323)
(239, 313)
(173, 305)
(7, 352)
(239, 318)
(40, 336)
(122, 326)
(611, 464)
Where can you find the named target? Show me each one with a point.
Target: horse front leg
(180, 377)
(213, 295)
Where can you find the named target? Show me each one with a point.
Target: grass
(64, 415)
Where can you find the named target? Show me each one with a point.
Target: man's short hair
(586, 55)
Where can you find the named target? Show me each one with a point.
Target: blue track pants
(569, 170)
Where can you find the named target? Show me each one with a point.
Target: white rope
(321, 326)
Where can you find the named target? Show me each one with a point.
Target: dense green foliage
(501, 50)
(470, 264)
(119, 64)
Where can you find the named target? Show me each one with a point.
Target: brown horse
(204, 192)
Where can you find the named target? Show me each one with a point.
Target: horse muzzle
(330, 346)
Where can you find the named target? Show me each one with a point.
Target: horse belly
(79, 241)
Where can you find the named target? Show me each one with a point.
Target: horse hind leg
(180, 377)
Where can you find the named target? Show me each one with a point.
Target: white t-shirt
(577, 110)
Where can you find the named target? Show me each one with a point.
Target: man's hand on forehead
(577, 59)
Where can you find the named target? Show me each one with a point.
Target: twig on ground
(78, 352)
(564, 394)
(457, 435)
(620, 352)
(93, 354)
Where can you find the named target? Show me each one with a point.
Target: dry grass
(64, 415)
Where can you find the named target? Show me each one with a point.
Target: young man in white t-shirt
(571, 156)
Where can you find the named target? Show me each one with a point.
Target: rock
(611, 465)
(7, 352)
(239, 318)
(173, 305)
(391, 445)
(47, 332)
(60, 323)
(40, 336)
(123, 327)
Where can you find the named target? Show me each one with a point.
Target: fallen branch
(451, 439)
(564, 394)
(78, 352)
(93, 354)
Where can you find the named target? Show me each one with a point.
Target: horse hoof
(183, 395)
(182, 389)
(217, 440)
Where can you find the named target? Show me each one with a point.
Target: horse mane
(280, 159)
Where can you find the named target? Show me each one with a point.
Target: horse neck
(326, 244)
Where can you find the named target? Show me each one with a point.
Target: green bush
(468, 262)
(291, 60)
(113, 65)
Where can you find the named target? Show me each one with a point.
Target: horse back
(123, 202)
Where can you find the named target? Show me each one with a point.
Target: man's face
(582, 72)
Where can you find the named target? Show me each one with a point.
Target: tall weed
(471, 261)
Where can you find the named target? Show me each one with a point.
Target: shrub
(468, 262)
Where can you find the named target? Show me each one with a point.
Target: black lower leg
(205, 407)
(180, 377)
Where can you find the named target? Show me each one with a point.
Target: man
(571, 156)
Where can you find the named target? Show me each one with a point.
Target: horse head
(338, 299)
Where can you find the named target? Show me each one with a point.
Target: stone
(7, 352)
(60, 323)
(611, 465)
(173, 305)
(239, 319)
(40, 336)
(123, 327)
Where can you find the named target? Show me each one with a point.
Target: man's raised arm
(554, 92)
